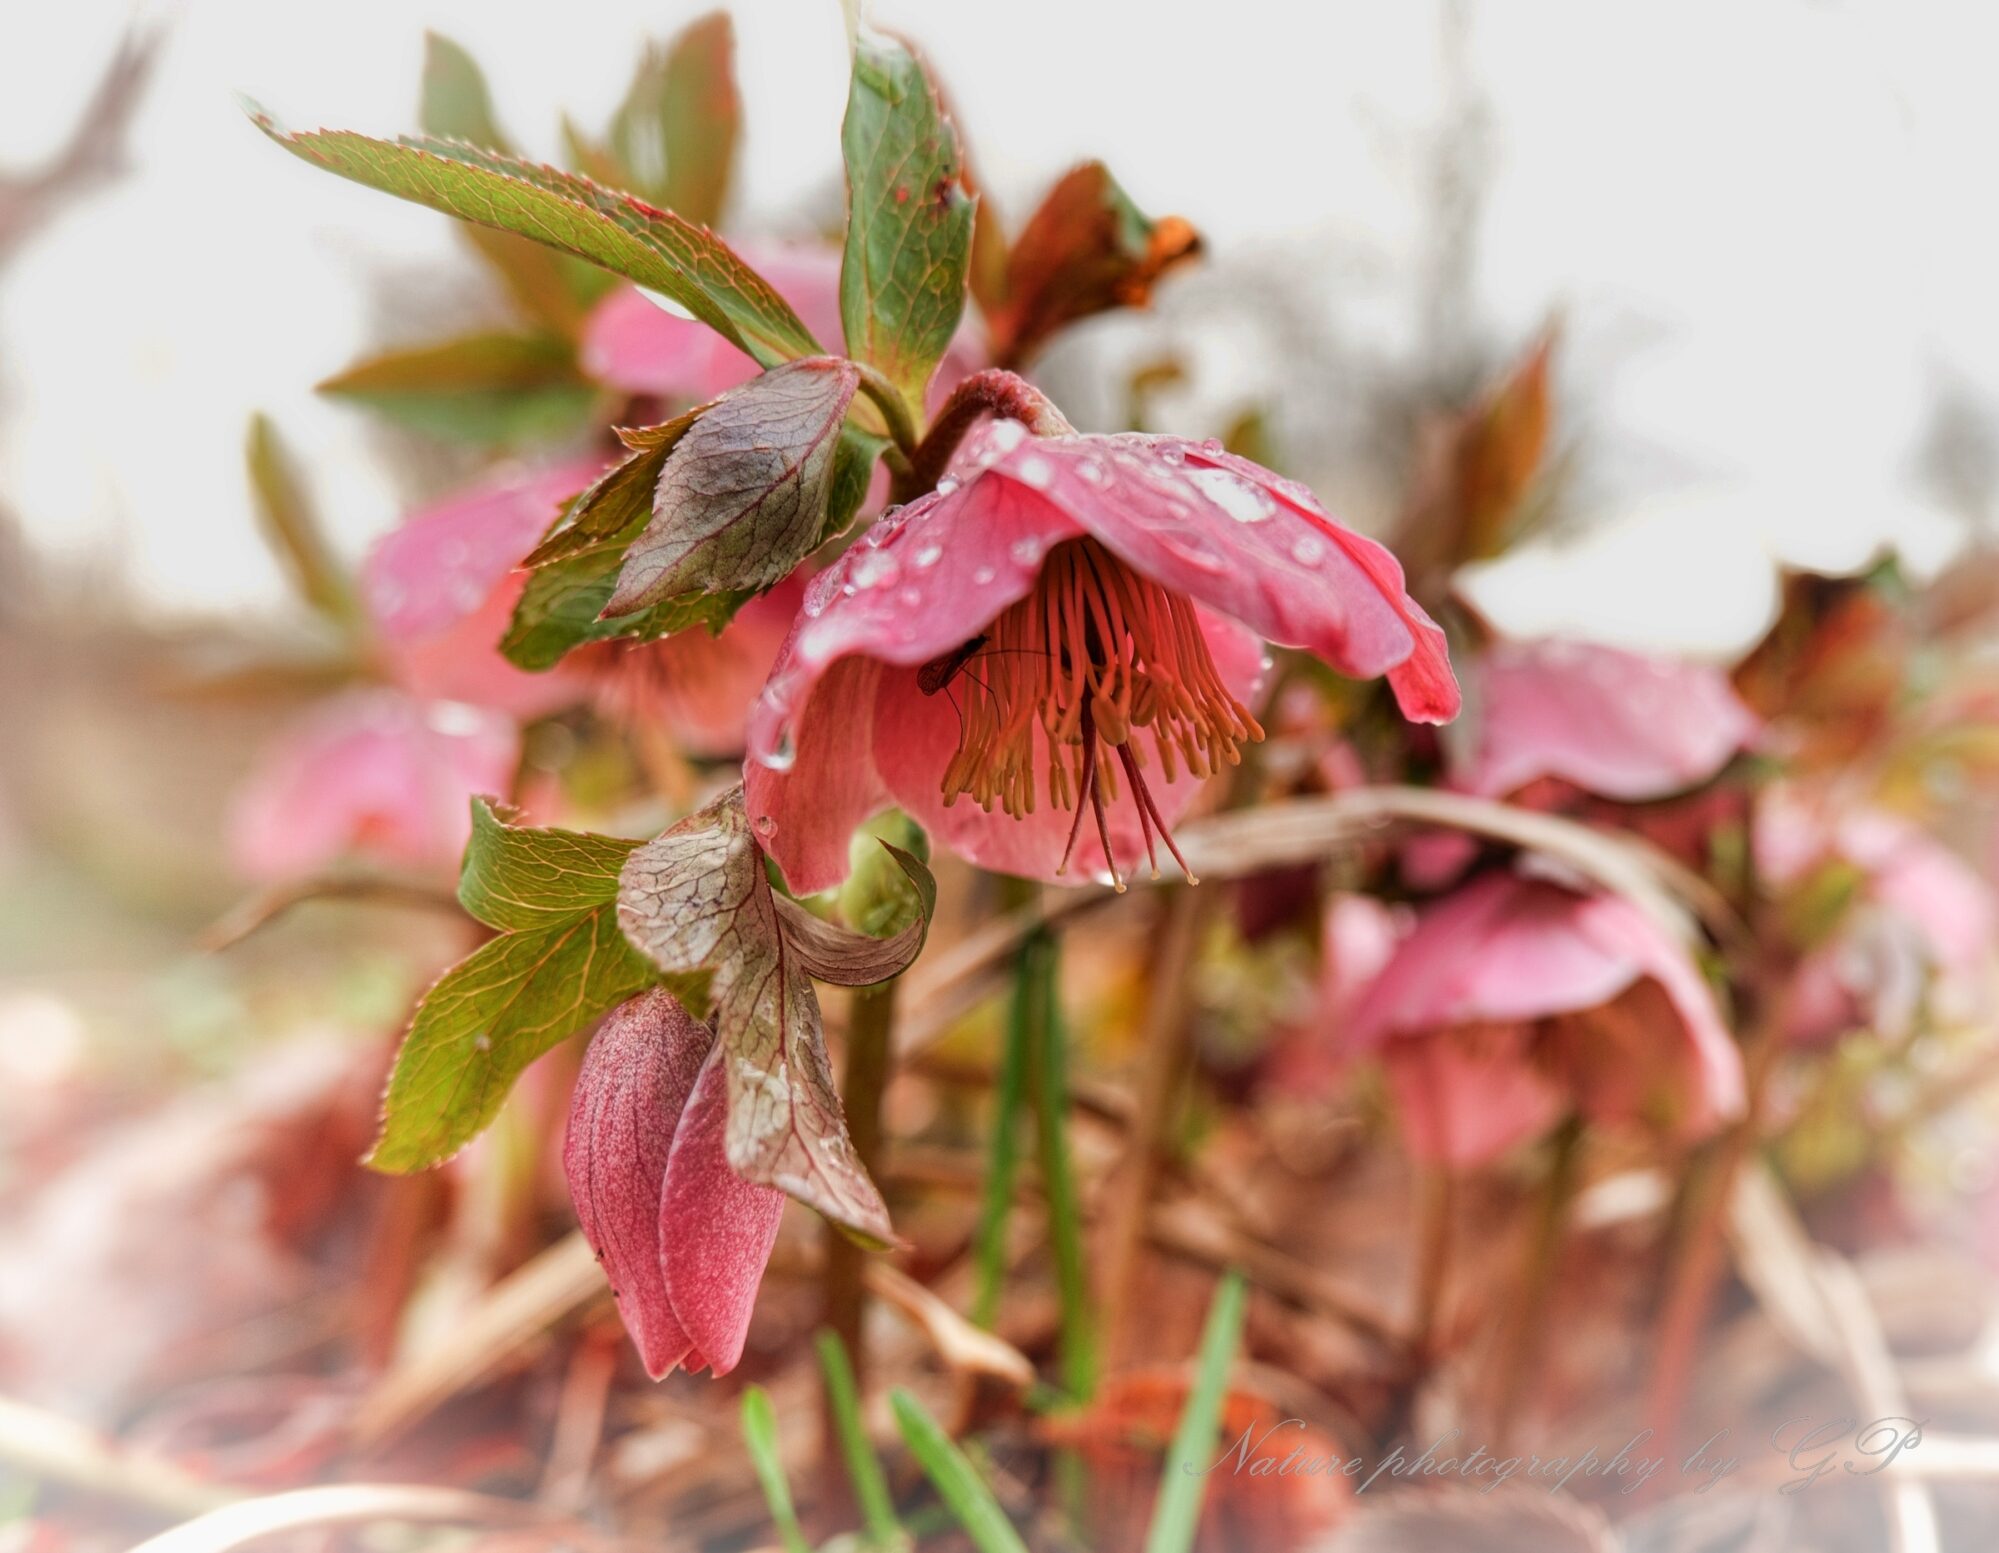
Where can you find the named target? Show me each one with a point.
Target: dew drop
(876, 568)
(781, 756)
(929, 555)
(1308, 551)
(1093, 472)
(983, 575)
(1234, 496)
(1036, 471)
(1005, 436)
(766, 824)
(1027, 552)
(947, 485)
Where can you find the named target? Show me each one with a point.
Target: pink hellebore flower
(634, 344)
(1515, 999)
(1618, 724)
(683, 1238)
(441, 588)
(1060, 614)
(370, 772)
(1925, 919)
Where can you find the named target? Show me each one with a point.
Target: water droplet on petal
(781, 756)
(983, 575)
(1005, 436)
(1036, 471)
(1309, 551)
(766, 825)
(1234, 496)
(1093, 472)
(929, 555)
(947, 485)
(1027, 552)
(876, 568)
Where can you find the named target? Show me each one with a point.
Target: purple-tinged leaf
(849, 959)
(909, 218)
(697, 899)
(629, 1095)
(618, 505)
(654, 248)
(743, 498)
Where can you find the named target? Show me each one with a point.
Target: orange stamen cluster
(1094, 655)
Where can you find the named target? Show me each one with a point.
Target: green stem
(870, 1032)
(1004, 1155)
(894, 408)
(1047, 1064)
(1538, 1277)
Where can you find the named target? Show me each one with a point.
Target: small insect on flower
(945, 667)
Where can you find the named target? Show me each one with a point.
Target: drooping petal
(1247, 543)
(818, 779)
(1502, 949)
(715, 1229)
(916, 735)
(1465, 1097)
(373, 773)
(1619, 724)
(441, 588)
(630, 1095)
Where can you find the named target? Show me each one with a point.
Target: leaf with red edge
(909, 218)
(618, 232)
(743, 498)
(1085, 250)
(697, 900)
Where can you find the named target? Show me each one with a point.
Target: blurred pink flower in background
(1924, 921)
(1618, 724)
(441, 588)
(682, 1237)
(1515, 999)
(634, 344)
(370, 773)
(948, 655)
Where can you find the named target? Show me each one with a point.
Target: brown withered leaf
(697, 901)
(743, 498)
(1500, 446)
(1085, 250)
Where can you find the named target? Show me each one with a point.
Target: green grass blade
(1048, 1065)
(760, 1435)
(957, 1481)
(990, 1243)
(1178, 1510)
(863, 1466)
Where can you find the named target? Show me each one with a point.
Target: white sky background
(1766, 225)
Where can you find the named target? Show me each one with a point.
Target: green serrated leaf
(559, 962)
(562, 608)
(653, 248)
(291, 526)
(909, 219)
(956, 1480)
(678, 127)
(1176, 1514)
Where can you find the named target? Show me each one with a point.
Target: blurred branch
(53, 1449)
(95, 152)
(266, 906)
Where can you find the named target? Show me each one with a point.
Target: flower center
(1093, 657)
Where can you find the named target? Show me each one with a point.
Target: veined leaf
(288, 520)
(654, 248)
(558, 964)
(697, 900)
(744, 497)
(1085, 250)
(909, 219)
(681, 119)
(562, 608)
(619, 503)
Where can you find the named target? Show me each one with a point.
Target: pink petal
(1502, 949)
(374, 773)
(715, 1229)
(629, 1098)
(1619, 724)
(441, 588)
(1247, 543)
(804, 809)
(916, 736)
(1466, 1097)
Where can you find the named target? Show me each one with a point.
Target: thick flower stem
(992, 392)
